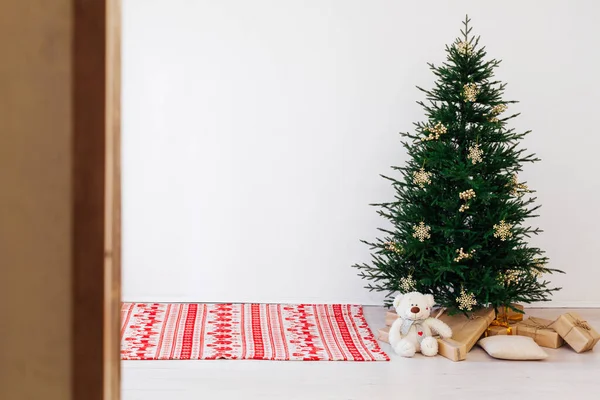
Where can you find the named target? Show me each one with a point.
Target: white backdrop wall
(254, 133)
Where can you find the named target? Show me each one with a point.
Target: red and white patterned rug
(334, 332)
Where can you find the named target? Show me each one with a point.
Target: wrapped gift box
(383, 334)
(576, 332)
(494, 330)
(390, 317)
(468, 330)
(511, 315)
(539, 329)
(448, 348)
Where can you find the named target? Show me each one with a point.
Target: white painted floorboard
(564, 375)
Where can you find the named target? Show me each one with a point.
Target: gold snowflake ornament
(466, 301)
(475, 154)
(422, 178)
(470, 92)
(462, 255)
(464, 48)
(407, 284)
(502, 230)
(394, 248)
(421, 231)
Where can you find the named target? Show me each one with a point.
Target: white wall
(254, 133)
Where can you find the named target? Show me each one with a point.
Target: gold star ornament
(421, 231)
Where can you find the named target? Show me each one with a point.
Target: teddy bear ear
(397, 300)
(430, 300)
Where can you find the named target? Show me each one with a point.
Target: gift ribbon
(579, 323)
(503, 321)
(504, 315)
(537, 325)
(503, 324)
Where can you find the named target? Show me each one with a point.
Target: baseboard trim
(565, 304)
(551, 304)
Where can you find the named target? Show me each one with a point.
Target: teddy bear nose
(415, 310)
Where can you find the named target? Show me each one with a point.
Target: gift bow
(581, 323)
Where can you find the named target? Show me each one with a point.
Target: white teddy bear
(412, 331)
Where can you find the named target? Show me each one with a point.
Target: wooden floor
(564, 375)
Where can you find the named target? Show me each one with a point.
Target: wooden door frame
(96, 199)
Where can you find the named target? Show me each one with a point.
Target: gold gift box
(576, 332)
(510, 315)
(539, 330)
(495, 330)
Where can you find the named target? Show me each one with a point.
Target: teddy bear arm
(394, 335)
(440, 327)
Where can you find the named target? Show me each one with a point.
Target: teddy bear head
(414, 305)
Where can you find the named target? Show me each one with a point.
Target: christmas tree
(458, 220)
